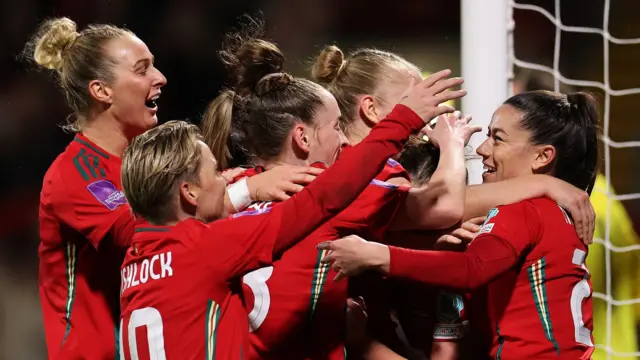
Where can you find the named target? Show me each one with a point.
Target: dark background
(184, 37)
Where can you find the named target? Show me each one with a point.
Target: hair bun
(328, 64)
(53, 37)
(250, 58)
(272, 82)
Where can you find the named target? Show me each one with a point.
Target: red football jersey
(178, 299)
(200, 291)
(295, 308)
(538, 291)
(549, 312)
(80, 204)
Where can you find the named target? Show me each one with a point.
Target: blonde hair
(364, 72)
(155, 163)
(77, 57)
(217, 126)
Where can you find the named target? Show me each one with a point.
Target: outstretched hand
(425, 98)
(577, 203)
(280, 182)
(451, 129)
(351, 255)
(462, 235)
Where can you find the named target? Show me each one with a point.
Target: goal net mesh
(596, 52)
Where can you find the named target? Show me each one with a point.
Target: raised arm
(330, 192)
(272, 185)
(258, 239)
(439, 204)
(251, 239)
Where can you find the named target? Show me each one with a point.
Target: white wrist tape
(239, 195)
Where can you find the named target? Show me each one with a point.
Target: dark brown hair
(570, 124)
(253, 117)
(420, 158)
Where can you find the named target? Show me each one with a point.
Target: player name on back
(154, 268)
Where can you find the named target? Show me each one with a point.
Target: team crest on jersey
(449, 308)
(107, 193)
(492, 213)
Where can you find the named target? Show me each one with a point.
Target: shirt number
(257, 282)
(149, 317)
(580, 291)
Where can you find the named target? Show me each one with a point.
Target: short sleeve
(91, 208)
(244, 242)
(519, 224)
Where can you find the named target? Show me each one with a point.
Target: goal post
(485, 26)
(488, 59)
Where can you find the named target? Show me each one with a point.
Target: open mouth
(488, 169)
(151, 102)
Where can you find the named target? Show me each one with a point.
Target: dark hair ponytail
(570, 124)
(266, 103)
(584, 109)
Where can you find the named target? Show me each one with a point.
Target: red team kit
(195, 307)
(533, 265)
(78, 288)
(252, 286)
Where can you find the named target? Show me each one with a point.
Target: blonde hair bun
(328, 64)
(54, 36)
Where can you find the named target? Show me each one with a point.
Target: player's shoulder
(526, 210)
(527, 206)
(182, 236)
(189, 230)
(392, 169)
(392, 177)
(542, 202)
(83, 162)
(246, 172)
(84, 171)
(241, 221)
(52, 177)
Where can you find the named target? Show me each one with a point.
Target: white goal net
(614, 259)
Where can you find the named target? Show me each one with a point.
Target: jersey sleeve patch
(107, 193)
